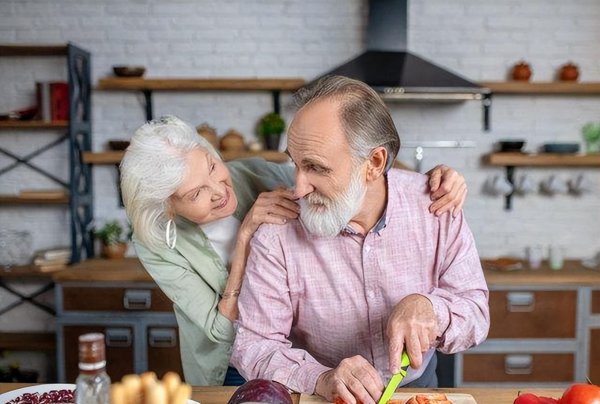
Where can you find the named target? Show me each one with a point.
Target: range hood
(398, 75)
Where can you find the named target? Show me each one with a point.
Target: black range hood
(399, 75)
(405, 76)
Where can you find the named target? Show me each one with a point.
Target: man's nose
(303, 186)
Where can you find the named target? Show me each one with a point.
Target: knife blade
(395, 380)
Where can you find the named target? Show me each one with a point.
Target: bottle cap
(92, 355)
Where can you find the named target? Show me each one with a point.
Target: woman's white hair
(151, 171)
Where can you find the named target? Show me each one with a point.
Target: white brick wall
(189, 38)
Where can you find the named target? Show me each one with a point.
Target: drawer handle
(520, 302)
(118, 337)
(137, 299)
(518, 364)
(162, 338)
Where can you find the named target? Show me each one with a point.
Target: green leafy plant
(112, 233)
(591, 134)
(591, 131)
(271, 124)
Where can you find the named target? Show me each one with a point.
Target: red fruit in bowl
(581, 394)
(261, 390)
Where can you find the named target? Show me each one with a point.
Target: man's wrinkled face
(330, 185)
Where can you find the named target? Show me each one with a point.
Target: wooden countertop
(115, 270)
(131, 270)
(220, 395)
(572, 274)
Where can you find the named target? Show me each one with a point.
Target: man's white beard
(328, 217)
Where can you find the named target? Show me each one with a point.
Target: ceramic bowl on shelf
(510, 145)
(129, 71)
(562, 148)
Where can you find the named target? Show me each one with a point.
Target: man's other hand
(354, 380)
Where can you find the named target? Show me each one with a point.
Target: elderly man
(330, 301)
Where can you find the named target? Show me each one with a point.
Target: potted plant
(270, 127)
(591, 134)
(113, 239)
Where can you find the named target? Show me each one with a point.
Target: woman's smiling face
(206, 192)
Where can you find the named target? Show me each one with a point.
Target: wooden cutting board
(456, 398)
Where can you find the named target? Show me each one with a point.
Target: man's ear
(376, 164)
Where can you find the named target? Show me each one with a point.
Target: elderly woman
(193, 216)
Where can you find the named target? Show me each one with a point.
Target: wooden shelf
(543, 88)
(33, 125)
(28, 341)
(232, 84)
(19, 200)
(32, 50)
(107, 157)
(114, 157)
(542, 160)
(21, 272)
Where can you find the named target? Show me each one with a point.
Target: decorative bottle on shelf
(93, 383)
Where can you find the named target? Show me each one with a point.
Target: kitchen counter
(572, 273)
(131, 270)
(220, 395)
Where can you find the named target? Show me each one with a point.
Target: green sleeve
(191, 290)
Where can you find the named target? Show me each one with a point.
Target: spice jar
(93, 383)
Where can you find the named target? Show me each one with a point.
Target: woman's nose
(303, 186)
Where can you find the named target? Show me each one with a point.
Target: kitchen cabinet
(119, 299)
(542, 332)
(78, 136)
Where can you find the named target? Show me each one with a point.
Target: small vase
(272, 141)
(114, 251)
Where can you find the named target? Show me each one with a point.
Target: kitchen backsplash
(186, 38)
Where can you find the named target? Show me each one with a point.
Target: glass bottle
(93, 383)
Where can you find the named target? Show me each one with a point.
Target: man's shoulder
(409, 183)
(292, 229)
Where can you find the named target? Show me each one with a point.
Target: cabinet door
(594, 372)
(596, 301)
(119, 349)
(115, 299)
(533, 314)
(163, 350)
(518, 367)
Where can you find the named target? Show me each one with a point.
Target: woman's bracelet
(233, 293)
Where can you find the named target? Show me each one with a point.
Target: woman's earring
(169, 236)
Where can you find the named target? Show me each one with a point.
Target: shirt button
(368, 249)
(371, 293)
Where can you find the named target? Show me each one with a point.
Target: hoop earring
(171, 243)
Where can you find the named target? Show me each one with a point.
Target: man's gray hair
(364, 116)
(152, 169)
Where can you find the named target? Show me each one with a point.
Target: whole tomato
(581, 394)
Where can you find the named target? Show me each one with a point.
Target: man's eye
(212, 167)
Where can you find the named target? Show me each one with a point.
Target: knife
(395, 380)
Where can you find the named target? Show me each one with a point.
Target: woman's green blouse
(192, 275)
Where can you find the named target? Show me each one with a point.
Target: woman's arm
(274, 207)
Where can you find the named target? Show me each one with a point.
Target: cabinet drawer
(119, 349)
(115, 299)
(594, 372)
(596, 302)
(163, 350)
(518, 367)
(533, 314)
